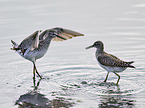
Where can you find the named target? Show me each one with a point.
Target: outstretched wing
(31, 41)
(65, 33)
(35, 42)
(113, 61)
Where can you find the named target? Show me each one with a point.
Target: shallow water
(72, 76)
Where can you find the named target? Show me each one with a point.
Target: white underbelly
(32, 55)
(113, 69)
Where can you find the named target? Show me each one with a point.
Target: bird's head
(98, 44)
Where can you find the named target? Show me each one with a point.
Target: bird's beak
(61, 37)
(90, 46)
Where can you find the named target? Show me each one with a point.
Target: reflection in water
(115, 99)
(109, 101)
(61, 103)
(34, 99)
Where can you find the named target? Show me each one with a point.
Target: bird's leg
(37, 71)
(36, 86)
(106, 77)
(118, 78)
(34, 74)
(38, 82)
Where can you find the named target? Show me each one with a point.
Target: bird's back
(112, 61)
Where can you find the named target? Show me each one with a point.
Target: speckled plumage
(108, 61)
(35, 46)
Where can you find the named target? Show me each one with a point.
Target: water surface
(72, 76)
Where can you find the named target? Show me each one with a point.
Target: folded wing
(113, 61)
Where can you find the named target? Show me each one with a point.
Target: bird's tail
(130, 64)
(15, 46)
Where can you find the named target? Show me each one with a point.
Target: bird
(109, 62)
(36, 45)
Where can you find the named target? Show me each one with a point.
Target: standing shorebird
(35, 46)
(108, 61)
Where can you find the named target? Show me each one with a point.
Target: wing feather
(113, 61)
(27, 42)
(35, 43)
(65, 33)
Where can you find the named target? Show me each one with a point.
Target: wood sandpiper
(108, 61)
(35, 46)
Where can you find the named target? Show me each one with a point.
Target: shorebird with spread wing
(36, 45)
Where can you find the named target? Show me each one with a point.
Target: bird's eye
(96, 44)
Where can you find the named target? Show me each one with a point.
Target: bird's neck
(46, 42)
(99, 52)
(48, 39)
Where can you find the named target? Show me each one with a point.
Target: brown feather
(113, 61)
(65, 33)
